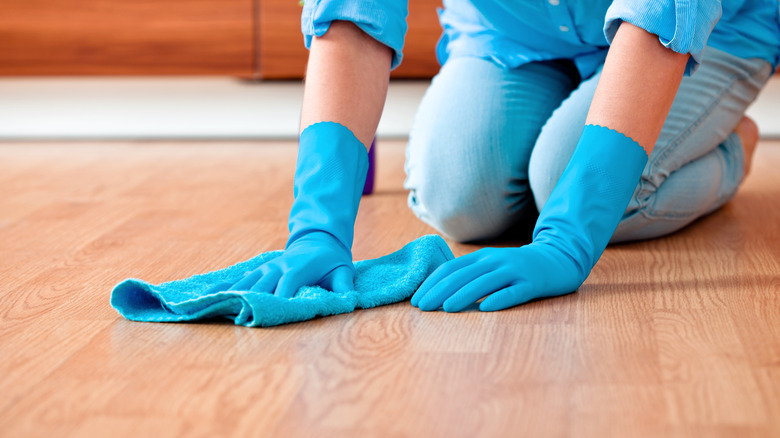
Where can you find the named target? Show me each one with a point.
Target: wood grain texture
(676, 337)
(141, 37)
(282, 54)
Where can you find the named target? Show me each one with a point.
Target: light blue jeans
(488, 146)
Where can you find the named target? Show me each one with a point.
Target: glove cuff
(591, 196)
(329, 177)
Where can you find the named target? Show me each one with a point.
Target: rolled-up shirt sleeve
(383, 20)
(681, 25)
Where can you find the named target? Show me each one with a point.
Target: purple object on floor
(369, 186)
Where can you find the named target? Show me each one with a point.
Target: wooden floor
(674, 337)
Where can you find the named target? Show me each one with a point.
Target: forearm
(637, 86)
(345, 90)
(346, 80)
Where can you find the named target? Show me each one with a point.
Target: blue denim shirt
(515, 32)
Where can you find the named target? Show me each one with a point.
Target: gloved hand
(329, 178)
(571, 233)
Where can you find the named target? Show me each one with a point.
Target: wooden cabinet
(244, 38)
(127, 37)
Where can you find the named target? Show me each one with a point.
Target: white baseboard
(205, 108)
(766, 109)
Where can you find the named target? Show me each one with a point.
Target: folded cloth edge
(384, 280)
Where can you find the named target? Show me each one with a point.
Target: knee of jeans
(463, 212)
(548, 161)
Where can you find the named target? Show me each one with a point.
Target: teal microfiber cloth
(385, 280)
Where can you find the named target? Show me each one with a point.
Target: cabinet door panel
(116, 37)
(283, 56)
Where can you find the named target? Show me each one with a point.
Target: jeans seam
(651, 214)
(729, 194)
(648, 211)
(684, 134)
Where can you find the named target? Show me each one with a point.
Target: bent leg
(697, 163)
(467, 158)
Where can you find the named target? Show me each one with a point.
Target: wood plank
(282, 54)
(96, 37)
(677, 336)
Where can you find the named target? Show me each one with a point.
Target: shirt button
(555, 2)
(563, 28)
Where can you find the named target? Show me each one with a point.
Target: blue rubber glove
(329, 178)
(571, 233)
